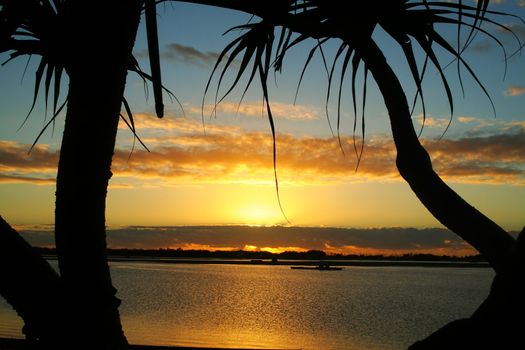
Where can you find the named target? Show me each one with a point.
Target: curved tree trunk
(100, 35)
(497, 322)
(415, 166)
(30, 285)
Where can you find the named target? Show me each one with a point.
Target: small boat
(320, 267)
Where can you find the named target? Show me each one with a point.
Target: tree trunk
(30, 285)
(492, 324)
(415, 166)
(100, 37)
(497, 323)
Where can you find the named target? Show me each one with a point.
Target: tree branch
(29, 284)
(415, 167)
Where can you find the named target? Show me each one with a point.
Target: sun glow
(259, 214)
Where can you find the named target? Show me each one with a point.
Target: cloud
(227, 154)
(481, 46)
(466, 119)
(5, 179)
(247, 156)
(514, 90)
(18, 165)
(149, 124)
(191, 122)
(388, 241)
(511, 35)
(258, 110)
(518, 28)
(237, 156)
(187, 54)
(432, 122)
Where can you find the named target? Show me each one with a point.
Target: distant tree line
(288, 255)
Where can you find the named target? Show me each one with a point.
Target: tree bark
(99, 41)
(30, 285)
(415, 166)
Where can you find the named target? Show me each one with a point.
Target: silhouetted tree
(96, 59)
(91, 41)
(410, 24)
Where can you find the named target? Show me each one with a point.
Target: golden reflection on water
(246, 306)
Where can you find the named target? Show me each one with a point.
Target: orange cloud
(274, 250)
(147, 124)
(248, 157)
(196, 246)
(231, 155)
(257, 109)
(18, 165)
(279, 110)
(466, 119)
(461, 250)
(514, 90)
(432, 122)
(497, 158)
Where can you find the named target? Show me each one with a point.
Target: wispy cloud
(431, 122)
(467, 119)
(514, 90)
(187, 54)
(481, 46)
(257, 109)
(518, 28)
(509, 33)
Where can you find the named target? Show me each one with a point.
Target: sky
(218, 170)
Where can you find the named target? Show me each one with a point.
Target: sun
(259, 214)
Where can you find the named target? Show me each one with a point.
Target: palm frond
(409, 23)
(135, 68)
(131, 125)
(50, 122)
(153, 50)
(254, 47)
(29, 28)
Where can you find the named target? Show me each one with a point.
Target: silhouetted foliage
(69, 35)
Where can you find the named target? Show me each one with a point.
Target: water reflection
(276, 307)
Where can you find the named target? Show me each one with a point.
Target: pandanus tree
(263, 46)
(91, 41)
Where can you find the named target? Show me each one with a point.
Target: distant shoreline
(357, 263)
(269, 262)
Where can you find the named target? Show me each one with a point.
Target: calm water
(274, 306)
